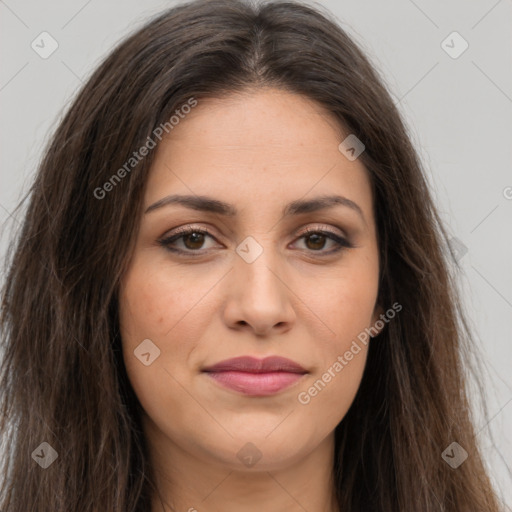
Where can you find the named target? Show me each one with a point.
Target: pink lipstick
(256, 377)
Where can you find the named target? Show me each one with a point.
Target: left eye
(192, 240)
(318, 238)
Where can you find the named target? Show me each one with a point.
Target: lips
(256, 377)
(253, 365)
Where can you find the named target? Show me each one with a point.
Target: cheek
(170, 308)
(346, 306)
(347, 310)
(156, 301)
(330, 394)
(150, 308)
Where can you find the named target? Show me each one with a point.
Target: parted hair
(62, 378)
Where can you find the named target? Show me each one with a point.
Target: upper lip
(254, 365)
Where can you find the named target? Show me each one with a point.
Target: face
(264, 270)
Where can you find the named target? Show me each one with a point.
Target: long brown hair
(62, 378)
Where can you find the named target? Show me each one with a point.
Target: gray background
(458, 111)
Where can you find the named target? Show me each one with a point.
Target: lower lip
(255, 384)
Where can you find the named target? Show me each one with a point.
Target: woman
(231, 290)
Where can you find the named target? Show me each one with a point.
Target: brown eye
(316, 241)
(187, 240)
(191, 241)
(194, 240)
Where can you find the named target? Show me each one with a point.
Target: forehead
(258, 145)
(255, 118)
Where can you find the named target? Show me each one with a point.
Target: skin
(257, 150)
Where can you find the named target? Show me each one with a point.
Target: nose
(259, 298)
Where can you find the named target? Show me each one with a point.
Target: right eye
(191, 240)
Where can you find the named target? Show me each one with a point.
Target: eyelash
(166, 242)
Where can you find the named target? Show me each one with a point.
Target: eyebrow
(300, 206)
